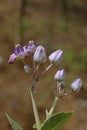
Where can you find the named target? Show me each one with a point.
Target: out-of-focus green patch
(74, 61)
(70, 56)
(84, 57)
(69, 59)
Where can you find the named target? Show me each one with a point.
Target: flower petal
(31, 47)
(12, 58)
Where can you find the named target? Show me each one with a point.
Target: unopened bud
(56, 57)
(27, 68)
(63, 84)
(60, 75)
(40, 54)
(61, 87)
(76, 84)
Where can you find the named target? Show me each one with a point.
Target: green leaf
(56, 121)
(13, 123)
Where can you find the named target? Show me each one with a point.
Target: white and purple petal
(12, 58)
(31, 47)
(19, 53)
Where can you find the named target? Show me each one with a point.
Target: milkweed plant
(39, 56)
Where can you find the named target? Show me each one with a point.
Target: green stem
(36, 115)
(53, 105)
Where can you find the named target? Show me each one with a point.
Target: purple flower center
(18, 49)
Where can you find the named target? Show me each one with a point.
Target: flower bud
(40, 54)
(60, 75)
(76, 84)
(63, 84)
(56, 57)
(61, 87)
(27, 68)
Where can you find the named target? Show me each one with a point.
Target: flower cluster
(20, 52)
(39, 56)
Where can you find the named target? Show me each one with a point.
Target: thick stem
(53, 105)
(36, 115)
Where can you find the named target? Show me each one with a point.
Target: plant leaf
(13, 123)
(56, 121)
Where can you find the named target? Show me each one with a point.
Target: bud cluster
(39, 56)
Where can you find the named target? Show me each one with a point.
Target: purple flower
(30, 48)
(19, 53)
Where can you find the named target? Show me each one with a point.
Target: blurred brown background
(56, 24)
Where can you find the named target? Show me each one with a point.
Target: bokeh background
(56, 24)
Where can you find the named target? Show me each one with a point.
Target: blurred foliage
(76, 62)
(84, 57)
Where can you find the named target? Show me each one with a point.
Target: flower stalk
(36, 115)
(53, 105)
(42, 73)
